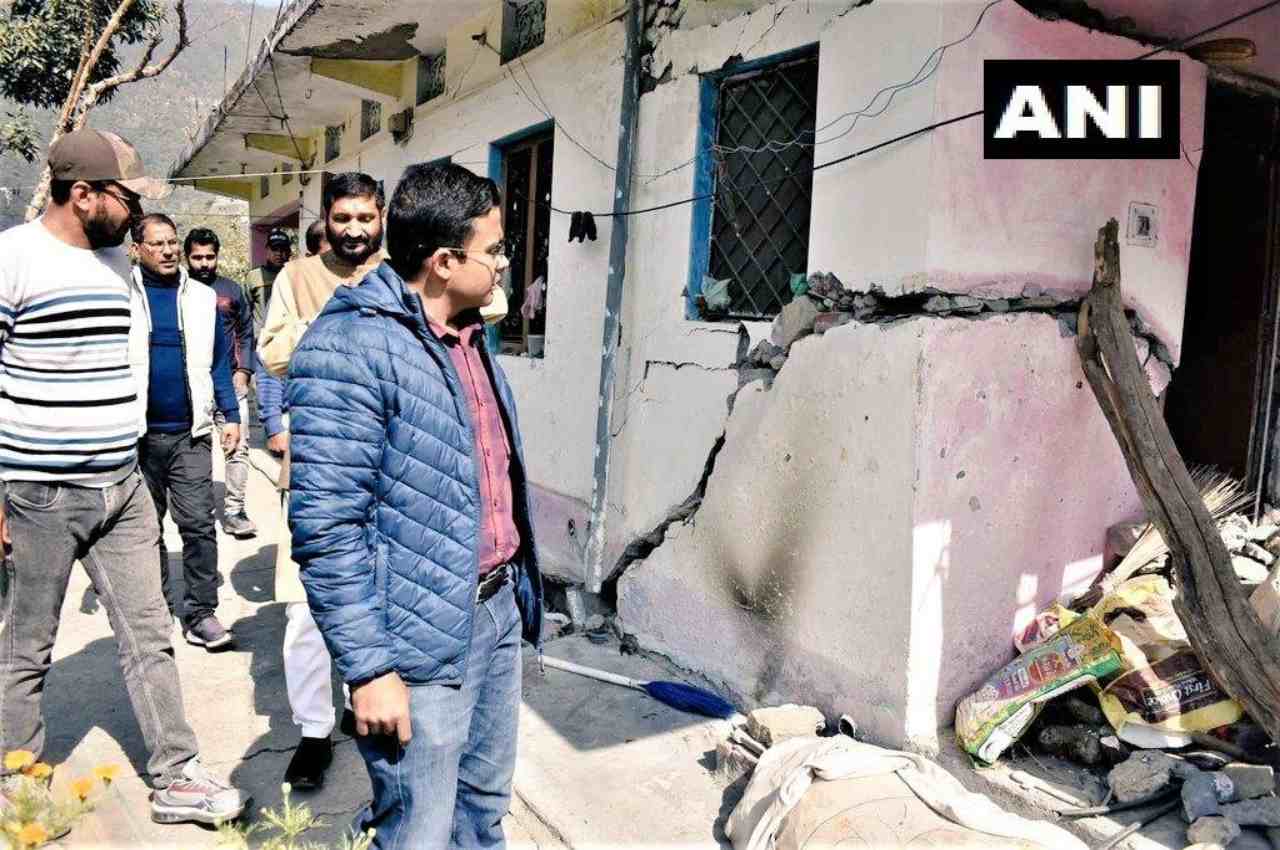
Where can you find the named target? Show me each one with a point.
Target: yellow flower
(33, 835)
(82, 787)
(107, 772)
(39, 770)
(18, 759)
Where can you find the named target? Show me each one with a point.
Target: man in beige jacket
(352, 209)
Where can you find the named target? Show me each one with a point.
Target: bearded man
(352, 208)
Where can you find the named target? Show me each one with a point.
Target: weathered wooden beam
(1222, 626)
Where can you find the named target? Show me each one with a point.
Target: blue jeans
(451, 786)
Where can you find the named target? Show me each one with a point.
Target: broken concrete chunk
(778, 362)
(763, 353)
(1272, 544)
(1235, 533)
(1248, 570)
(1262, 556)
(1251, 780)
(1084, 710)
(1114, 751)
(1031, 291)
(1145, 773)
(1213, 830)
(733, 762)
(825, 285)
(746, 376)
(827, 321)
(795, 321)
(939, 304)
(1263, 532)
(1264, 811)
(1079, 743)
(966, 304)
(999, 305)
(770, 726)
(1202, 795)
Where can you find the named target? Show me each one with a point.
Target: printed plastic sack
(990, 720)
(1046, 624)
(1166, 693)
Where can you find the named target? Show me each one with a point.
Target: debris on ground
(1219, 831)
(811, 791)
(771, 726)
(1109, 681)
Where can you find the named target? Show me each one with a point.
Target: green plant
(31, 813)
(283, 828)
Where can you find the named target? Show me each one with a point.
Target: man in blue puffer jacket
(410, 516)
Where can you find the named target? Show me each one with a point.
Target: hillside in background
(160, 115)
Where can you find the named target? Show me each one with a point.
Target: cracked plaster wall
(899, 584)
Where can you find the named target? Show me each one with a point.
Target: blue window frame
(756, 126)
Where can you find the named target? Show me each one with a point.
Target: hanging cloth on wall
(582, 226)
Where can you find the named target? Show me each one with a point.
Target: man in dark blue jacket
(201, 248)
(410, 516)
(188, 380)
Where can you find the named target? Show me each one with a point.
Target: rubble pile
(1109, 681)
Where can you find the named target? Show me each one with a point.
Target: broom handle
(592, 673)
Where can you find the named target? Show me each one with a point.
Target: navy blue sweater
(169, 397)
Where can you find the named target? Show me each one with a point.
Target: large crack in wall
(826, 305)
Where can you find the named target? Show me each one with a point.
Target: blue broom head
(688, 698)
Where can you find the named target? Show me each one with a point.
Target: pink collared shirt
(499, 538)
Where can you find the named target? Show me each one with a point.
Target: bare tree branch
(83, 98)
(143, 69)
(87, 66)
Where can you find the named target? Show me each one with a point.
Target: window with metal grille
(430, 77)
(370, 118)
(760, 172)
(526, 193)
(524, 25)
(332, 142)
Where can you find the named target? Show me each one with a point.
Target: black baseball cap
(279, 239)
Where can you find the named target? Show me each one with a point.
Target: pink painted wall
(1016, 463)
(998, 225)
(1014, 459)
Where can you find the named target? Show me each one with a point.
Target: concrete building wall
(1015, 509)
(905, 495)
(578, 79)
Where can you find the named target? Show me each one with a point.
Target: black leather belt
(492, 583)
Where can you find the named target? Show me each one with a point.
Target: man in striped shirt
(73, 367)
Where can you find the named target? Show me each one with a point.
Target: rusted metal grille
(763, 185)
(370, 118)
(524, 24)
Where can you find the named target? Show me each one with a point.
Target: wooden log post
(1222, 626)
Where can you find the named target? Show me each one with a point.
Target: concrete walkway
(599, 765)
